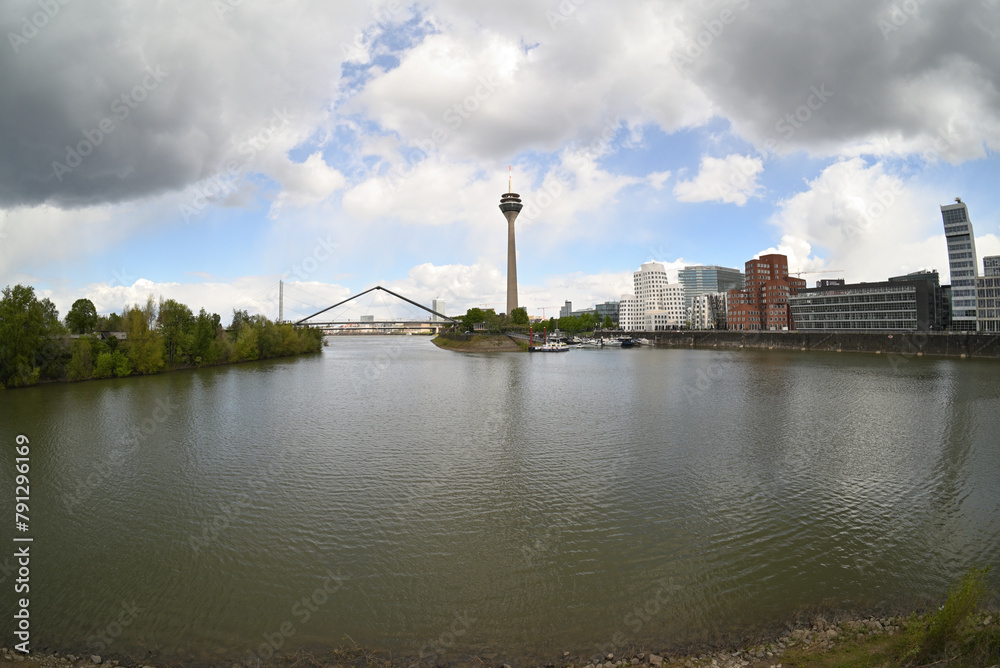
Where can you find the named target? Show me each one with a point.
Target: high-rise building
(510, 206)
(962, 263)
(763, 303)
(988, 303)
(438, 306)
(707, 280)
(566, 310)
(988, 296)
(656, 304)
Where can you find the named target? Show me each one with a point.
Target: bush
(947, 626)
(123, 367)
(81, 366)
(105, 366)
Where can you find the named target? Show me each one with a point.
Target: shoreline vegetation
(37, 347)
(960, 633)
(479, 343)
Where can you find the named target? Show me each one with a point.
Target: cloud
(732, 179)
(867, 222)
(305, 183)
(889, 93)
(657, 179)
(475, 84)
(154, 94)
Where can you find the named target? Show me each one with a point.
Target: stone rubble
(820, 635)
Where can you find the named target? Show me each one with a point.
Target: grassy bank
(479, 343)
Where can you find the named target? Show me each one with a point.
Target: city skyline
(367, 146)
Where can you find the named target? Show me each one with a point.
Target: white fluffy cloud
(868, 223)
(305, 183)
(732, 179)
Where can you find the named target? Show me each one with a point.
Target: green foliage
(104, 367)
(112, 364)
(239, 317)
(607, 324)
(81, 365)
(34, 344)
(144, 345)
(206, 329)
(473, 316)
(247, 342)
(122, 365)
(176, 326)
(109, 323)
(30, 343)
(586, 322)
(82, 317)
(519, 316)
(948, 626)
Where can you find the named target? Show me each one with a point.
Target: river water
(404, 498)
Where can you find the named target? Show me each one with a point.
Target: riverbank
(479, 343)
(902, 345)
(875, 642)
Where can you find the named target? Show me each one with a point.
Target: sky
(204, 150)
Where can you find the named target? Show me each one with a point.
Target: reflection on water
(414, 499)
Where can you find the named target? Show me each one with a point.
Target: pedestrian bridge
(353, 321)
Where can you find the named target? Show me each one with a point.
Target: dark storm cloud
(905, 69)
(110, 101)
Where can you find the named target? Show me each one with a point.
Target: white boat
(549, 348)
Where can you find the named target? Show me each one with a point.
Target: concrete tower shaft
(510, 206)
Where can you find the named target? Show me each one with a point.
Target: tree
(473, 316)
(82, 317)
(206, 329)
(175, 322)
(246, 347)
(109, 323)
(81, 365)
(607, 324)
(519, 316)
(29, 347)
(145, 346)
(239, 317)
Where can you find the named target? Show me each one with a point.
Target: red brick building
(763, 303)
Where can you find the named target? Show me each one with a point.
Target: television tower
(510, 206)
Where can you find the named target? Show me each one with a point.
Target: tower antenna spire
(510, 176)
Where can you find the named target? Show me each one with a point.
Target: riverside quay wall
(947, 344)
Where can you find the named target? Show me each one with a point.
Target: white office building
(963, 264)
(656, 305)
(988, 296)
(438, 306)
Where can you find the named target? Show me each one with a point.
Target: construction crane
(543, 310)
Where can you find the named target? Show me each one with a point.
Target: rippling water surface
(406, 498)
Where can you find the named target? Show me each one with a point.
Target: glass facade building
(963, 264)
(892, 306)
(708, 280)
